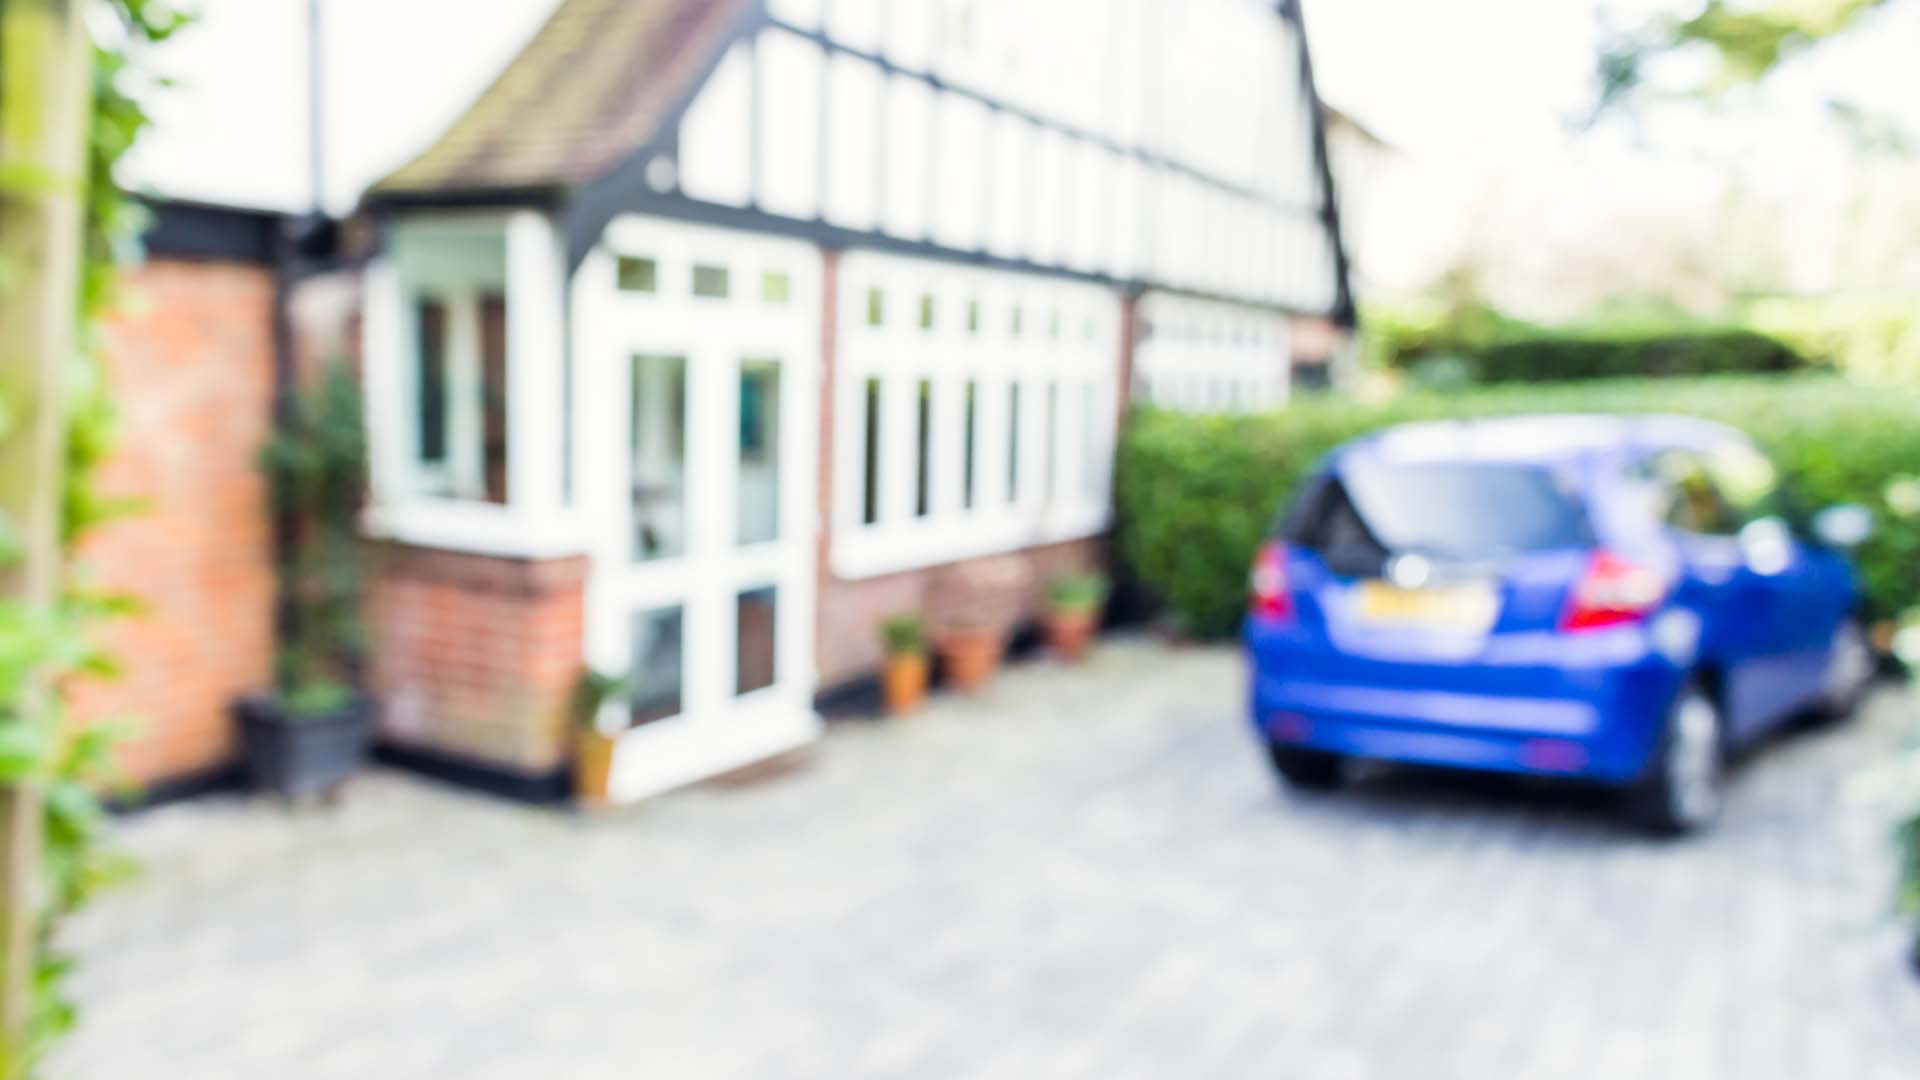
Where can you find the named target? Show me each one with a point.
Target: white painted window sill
(867, 551)
(476, 528)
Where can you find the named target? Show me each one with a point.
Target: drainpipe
(296, 242)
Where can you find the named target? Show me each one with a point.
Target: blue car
(1622, 600)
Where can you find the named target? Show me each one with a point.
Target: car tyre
(1685, 785)
(1850, 669)
(1310, 770)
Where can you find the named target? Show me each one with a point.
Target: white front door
(697, 403)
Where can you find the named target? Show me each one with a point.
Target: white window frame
(900, 353)
(1208, 356)
(423, 258)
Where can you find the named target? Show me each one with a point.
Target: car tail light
(1611, 592)
(1268, 584)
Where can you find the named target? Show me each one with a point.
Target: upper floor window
(710, 282)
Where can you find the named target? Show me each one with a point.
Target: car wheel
(1686, 783)
(1313, 770)
(1850, 666)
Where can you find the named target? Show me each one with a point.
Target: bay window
(466, 375)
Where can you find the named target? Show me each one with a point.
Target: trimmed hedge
(1555, 358)
(1480, 345)
(1196, 493)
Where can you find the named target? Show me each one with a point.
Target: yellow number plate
(1453, 607)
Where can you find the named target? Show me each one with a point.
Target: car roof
(1541, 439)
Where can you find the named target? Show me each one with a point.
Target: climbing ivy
(38, 648)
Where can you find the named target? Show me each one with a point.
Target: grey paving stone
(1081, 873)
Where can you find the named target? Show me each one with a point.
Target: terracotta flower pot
(972, 656)
(1070, 633)
(592, 766)
(905, 682)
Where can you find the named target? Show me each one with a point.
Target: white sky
(1476, 94)
(396, 79)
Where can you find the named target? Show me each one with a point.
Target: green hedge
(1556, 357)
(1196, 493)
(1480, 345)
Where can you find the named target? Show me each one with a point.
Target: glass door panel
(657, 456)
(758, 494)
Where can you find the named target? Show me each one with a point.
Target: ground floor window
(1206, 356)
(454, 372)
(971, 432)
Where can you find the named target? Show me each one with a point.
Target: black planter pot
(294, 756)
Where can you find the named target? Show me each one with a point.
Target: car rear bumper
(1596, 723)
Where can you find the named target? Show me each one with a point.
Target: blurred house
(712, 332)
(1363, 163)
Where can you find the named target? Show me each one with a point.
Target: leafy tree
(1749, 41)
(69, 110)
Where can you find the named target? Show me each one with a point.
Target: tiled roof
(589, 90)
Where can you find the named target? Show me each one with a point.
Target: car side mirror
(1844, 527)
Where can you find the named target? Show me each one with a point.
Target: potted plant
(310, 732)
(593, 747)
(976, 605)
(905, 677)
(1073, 612)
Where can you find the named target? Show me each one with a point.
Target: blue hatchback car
(1623, 600)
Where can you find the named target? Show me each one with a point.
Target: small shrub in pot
(310, 733)
(905, 677)
(592, 747)
(1074, 601)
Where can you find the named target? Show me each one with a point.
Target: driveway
(1083, 873)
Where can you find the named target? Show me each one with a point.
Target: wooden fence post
(46, 71)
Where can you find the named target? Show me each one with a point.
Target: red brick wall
(191, 358)
(476, 656)
(851, 611)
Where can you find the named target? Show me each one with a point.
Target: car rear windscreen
(1455, 510)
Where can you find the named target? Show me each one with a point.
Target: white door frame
(716, 729)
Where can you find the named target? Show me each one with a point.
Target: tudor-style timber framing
(584, 205)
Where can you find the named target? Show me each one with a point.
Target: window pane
(923, 451)
(926, 311)
(870, 463)
(656, 675)
(972, 422)
(973, 316)
(775, 287)
(876, 307)
(1050, 450)
(432, 382)
(1013, 442)
(657, 445)
(638, 275)
(710, 281)
(754, 640)
(1090, 445)
(493, 396)
(1013, 324)
(759, 482)
(1464, 510)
